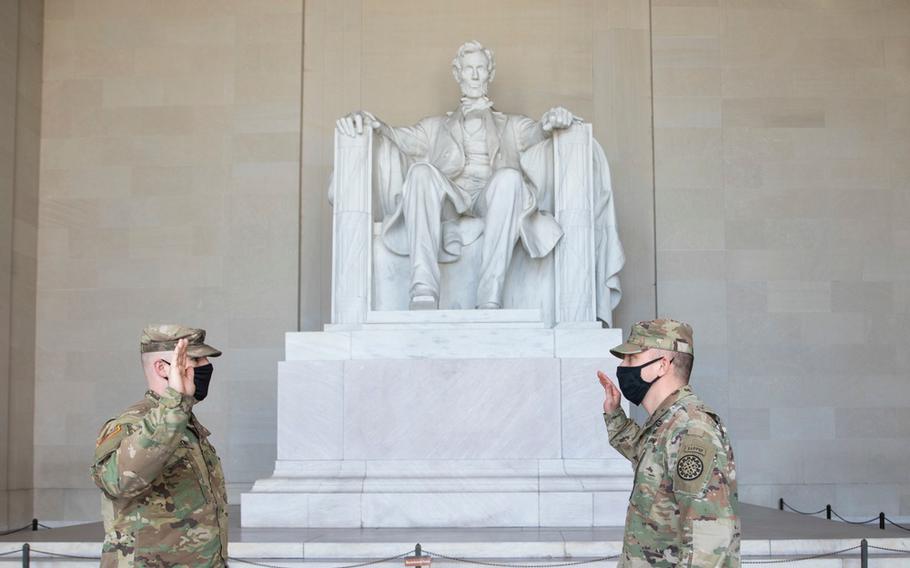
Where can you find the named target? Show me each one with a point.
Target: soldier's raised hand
(179, 376)
(354, 123)
(612, 395)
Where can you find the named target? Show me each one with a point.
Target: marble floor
(767, 533)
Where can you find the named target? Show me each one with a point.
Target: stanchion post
(780, 504)
(881, 521)
(864, 553)
(26, 555)
(828, 511)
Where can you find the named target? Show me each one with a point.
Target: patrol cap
(164, 337)
(667, 334)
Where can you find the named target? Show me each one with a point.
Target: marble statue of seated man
(463, 177)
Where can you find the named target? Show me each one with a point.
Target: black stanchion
(780, 504)
(881, 521)
(34, 524)
(828, 511)
(26, 555)
(864, 553)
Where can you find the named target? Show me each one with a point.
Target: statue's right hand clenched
(354, 123)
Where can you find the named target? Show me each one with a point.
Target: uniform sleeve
(623, 432)
(129, 455)
(701, 471)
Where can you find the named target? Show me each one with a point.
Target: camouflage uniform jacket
(164, 501)
(683, 508)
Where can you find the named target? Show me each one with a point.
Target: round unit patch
(690, 467)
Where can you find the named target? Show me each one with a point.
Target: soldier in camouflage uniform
(164, 501)
(683, 508)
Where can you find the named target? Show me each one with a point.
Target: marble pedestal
(457, 418)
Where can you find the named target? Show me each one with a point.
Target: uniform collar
(668, 403)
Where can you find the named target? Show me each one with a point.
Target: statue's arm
(411, 140)
(530, 131)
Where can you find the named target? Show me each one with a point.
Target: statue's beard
(472, 93)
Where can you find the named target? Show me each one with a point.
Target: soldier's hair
(473, 47)
(683, 363)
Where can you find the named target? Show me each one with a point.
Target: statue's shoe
(424, 302)
(423, 298)
(490, 306)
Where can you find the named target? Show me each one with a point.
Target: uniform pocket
(177, 492)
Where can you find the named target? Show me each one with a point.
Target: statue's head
(473, 68)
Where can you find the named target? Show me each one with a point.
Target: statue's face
(475, 74)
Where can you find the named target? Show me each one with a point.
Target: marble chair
(368, 278)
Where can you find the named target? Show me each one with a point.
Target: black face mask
(202, 376)
(633, 387)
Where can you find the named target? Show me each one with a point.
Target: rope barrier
(881, 519)
(369, 563)
(507, 565)
(787, 505)
(864, 547)
(61, 555)
(902, 527)
(896, 550)
(803, 558)
(14, 531)
(872, 520)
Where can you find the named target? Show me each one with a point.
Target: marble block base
(402, 428)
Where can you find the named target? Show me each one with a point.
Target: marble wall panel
(169, 192)
(790, 194)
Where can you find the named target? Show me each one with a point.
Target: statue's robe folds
(513, 141)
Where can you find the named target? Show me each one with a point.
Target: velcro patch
(110, 441)
(694, 465)
(116, 430)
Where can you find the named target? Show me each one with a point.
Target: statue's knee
(422, 180)
(421, 172)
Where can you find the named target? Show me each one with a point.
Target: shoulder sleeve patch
(694, 464)
(109, 439)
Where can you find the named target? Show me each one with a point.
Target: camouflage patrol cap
(165, 337)
(667, 334)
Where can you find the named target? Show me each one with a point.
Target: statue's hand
(557, 117)
(354, 123)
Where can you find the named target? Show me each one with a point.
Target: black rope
(506, 565)
(897, 550)
(14, 531)
(902, 527)
(787, 505)
(250, 562)
(61, 555)
(369, 563)
(834, 513)
(803, 558)
(872, 520)
(14, 551)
